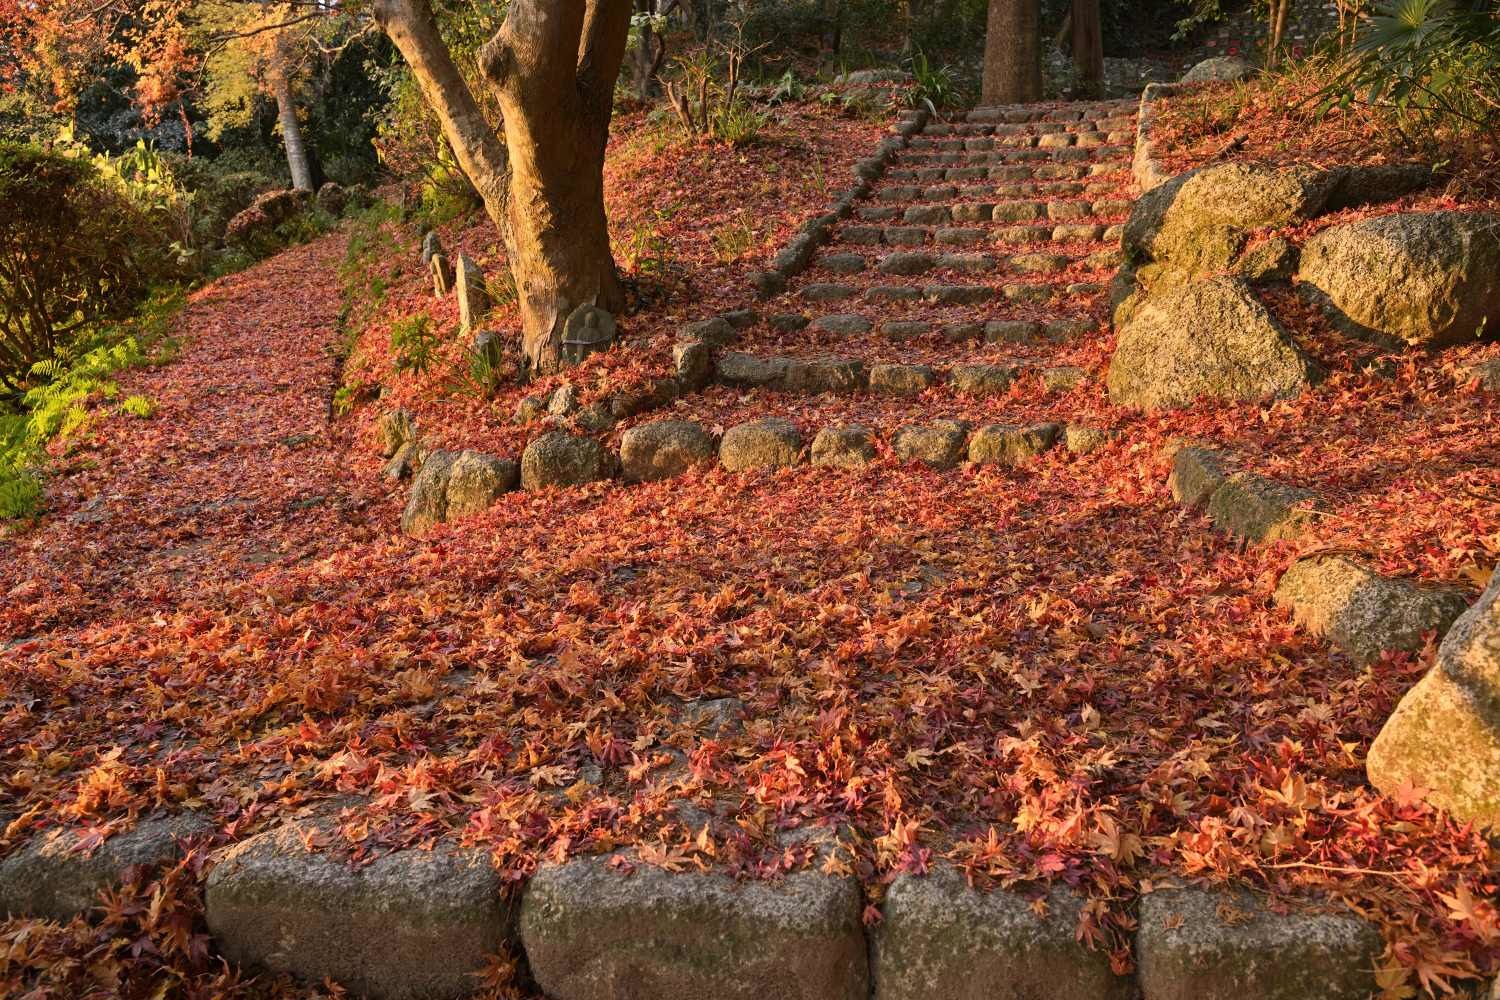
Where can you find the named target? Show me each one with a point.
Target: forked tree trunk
(1013, 52)
(553, 66)
(1088, 46)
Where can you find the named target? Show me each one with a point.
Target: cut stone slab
(1012, 331)
(828, 292)
(1259, 509)
(716, 332)
(749, 370)
(939, 445)
(843, 325)
(940, 938)
(1208, 338)
(819, 375)
(998, 444)
(1197, 473)
(847, 447)
(771, 443)
(901, 380)
(476, 481)
(1423, 279)
(1362, 612)
(906, 264)
(427, 504)
(1063, 378)
(473, 299)
(843, 263)
(51, 879)
(592, 932)
(559, 459)
(981, 379)
(1486, 374)
(1198, 944)
(694, 364)
(1445, 734)
(665, 448)
(1081, 440)
(413, 925)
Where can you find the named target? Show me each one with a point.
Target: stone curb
(422, 924)
(1251, 507)
(1146, 168)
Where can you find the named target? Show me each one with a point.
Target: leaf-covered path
(1043, 671)
(238, 471)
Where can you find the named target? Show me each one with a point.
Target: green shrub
(1434, 63)
(73, 250)
(413, 343)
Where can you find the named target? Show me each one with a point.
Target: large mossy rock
(1208, 338)
(1167, 222)
(1219, 68)
(1445, 734)
(1424, 279)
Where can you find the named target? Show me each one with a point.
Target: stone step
(1013, 145)
(909, 264)
(1030, 114)
(974, 234)
(940, 210)
(1062, 152)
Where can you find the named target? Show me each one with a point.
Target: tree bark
(553, 66)
(1012, 52)
(286, 116)
(1088, 46)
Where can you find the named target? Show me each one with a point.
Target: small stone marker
(588, 330)
(593, 932)
(473, 299)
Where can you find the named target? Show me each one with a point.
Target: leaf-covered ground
(1047, 673)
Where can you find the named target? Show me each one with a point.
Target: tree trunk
(553, 67)
(1088, 46)
(1012, 52)
(286, 115)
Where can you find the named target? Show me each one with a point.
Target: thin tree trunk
(1088, 46)
(553, 68)
(1012, 52)
(286, 115)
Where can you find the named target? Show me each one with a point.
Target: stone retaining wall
(422, 924)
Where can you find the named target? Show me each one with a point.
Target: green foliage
(447, 192)
(735, 239)
(737, 124)
(414, 344)
(74, 250)
(1435, 64)
(142, 407)
(937, 86)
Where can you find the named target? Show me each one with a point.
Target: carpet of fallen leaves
(1044, 674)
